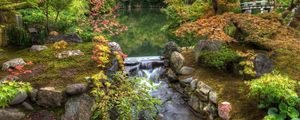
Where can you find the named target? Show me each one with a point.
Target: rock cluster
(78, 104)
(201, 97)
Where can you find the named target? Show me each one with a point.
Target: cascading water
(173, 107)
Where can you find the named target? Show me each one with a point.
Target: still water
(144, 36)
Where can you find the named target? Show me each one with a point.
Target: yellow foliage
(60, 45)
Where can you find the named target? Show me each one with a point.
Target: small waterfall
(173, 107)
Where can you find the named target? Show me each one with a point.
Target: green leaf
(261, 106)
(292, 112)
(272, 111)
(281, 116)
(283, 107)
(295, 119)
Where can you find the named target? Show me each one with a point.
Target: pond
(144, 36)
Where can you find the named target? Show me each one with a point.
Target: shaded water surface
(144, 36)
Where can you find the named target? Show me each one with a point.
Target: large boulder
(170, 48)
(13, 63)
(177, 61)
(208, 45)
(50, 97)
(78, 108)
(262, 64)
(11, 114)
(74, 37)
(20, 97)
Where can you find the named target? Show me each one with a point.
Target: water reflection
(144, 36)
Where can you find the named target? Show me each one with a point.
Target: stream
(173, 106)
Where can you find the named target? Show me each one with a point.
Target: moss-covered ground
(47, 70)
(229, 87)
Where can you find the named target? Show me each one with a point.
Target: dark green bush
(219, 58)
(18, 36)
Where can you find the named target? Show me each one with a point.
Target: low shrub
(247, 64)
(60, 45)
(9, 89)
(121, 96)
(219, 58)
(277, 93)
(18, 36)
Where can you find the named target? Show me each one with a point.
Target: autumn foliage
(269, 34)
(103, 17)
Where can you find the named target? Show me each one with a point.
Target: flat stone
(35, 48)
(27, 106)
(13, 63)
(187, 80)
(66, 54)
(186, 70)
(21, 97)
(50, 97)
(11, 114)
(76, 89)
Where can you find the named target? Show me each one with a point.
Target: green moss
(50, 71)
(230, 30)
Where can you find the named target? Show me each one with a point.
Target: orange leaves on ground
(267, 33)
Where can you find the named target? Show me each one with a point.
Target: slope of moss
(50, 71)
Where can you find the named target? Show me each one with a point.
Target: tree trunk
(296, 19)
(215, 5)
